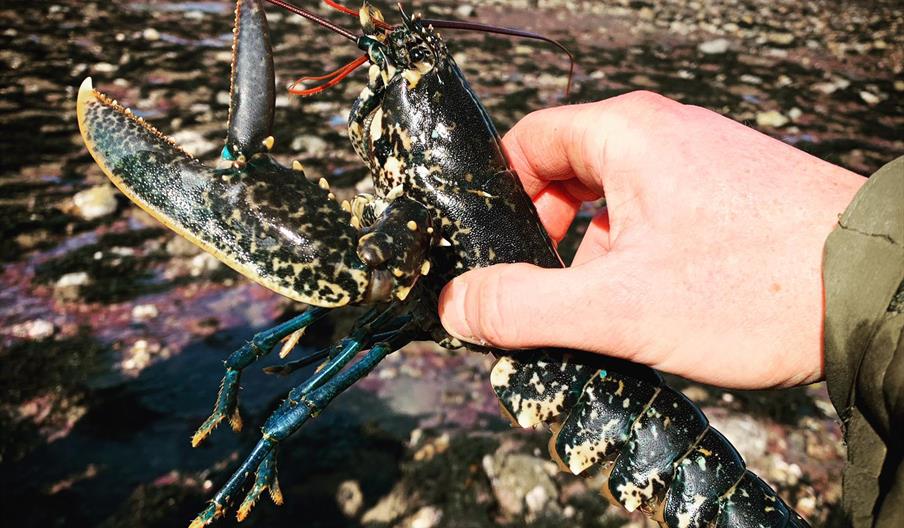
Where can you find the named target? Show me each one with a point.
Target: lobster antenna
(499, 30)
(314, 18)
(436, 23)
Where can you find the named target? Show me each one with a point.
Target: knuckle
(645, 99)
(648, 108)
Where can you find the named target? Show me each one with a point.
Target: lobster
(446, 202)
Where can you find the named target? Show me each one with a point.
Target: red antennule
(335, 77)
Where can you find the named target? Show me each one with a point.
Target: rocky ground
(113, 330)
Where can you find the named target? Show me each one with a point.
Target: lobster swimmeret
(446, 202)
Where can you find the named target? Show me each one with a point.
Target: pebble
(389, 508)
(36, 329)
(150, 34)
(104, 67)
(514, 476)
(96, 202)
(464, 11)
(714, 47)
(69, 286)
(771, 118)
(747, 434)
(695, 393)
(751, 79)
(869, 97)
(350, 498)
(780, 39)
(832, 86)
(426, 517)
(144, 312)
(193, 142)
(180, 247)
(139, 356)
(795, 114)
(203, 263)
(310, 145)
(536, 499)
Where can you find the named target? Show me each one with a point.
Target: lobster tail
(655, 446)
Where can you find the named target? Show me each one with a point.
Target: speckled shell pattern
(428, 134)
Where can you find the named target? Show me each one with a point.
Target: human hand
(705, 263)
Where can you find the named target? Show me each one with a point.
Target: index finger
(558, 144)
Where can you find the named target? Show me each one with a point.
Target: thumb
(525, 306)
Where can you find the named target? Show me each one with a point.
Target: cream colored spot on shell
(405, 137)
(268, 142)
(502, 372)
(413, 76)
(580, 456)
(354, 130)
(376, 125)
(631, 496)
(538, 385)
(402, 292)
(425, 267)
(372, 73)
(541, 410)
(411, 225)
(396, 191)
(393, 167)
(325, 185)
(296, 165)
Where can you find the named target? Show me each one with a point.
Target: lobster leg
(292, 414)
(260, 345)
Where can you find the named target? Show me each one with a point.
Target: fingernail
(452, 310)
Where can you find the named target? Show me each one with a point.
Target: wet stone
(69, 286)
(349, 498)
(96, 202)
(522, 483)
(771, 118)
(714, 47)
(36, 330)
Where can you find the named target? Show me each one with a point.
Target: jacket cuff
(863, 274)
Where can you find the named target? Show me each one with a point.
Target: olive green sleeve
(863, 274)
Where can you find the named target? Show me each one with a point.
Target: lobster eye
(418, 54)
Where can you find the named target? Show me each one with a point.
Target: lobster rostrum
(445, 202)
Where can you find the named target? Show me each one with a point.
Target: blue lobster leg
(329, 352)
(260, 345)
(291, 415)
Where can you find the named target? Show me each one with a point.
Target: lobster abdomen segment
(702, 477)
(655, 446)
(659, 439)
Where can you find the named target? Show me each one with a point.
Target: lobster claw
(266, 221)
(252, 84)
